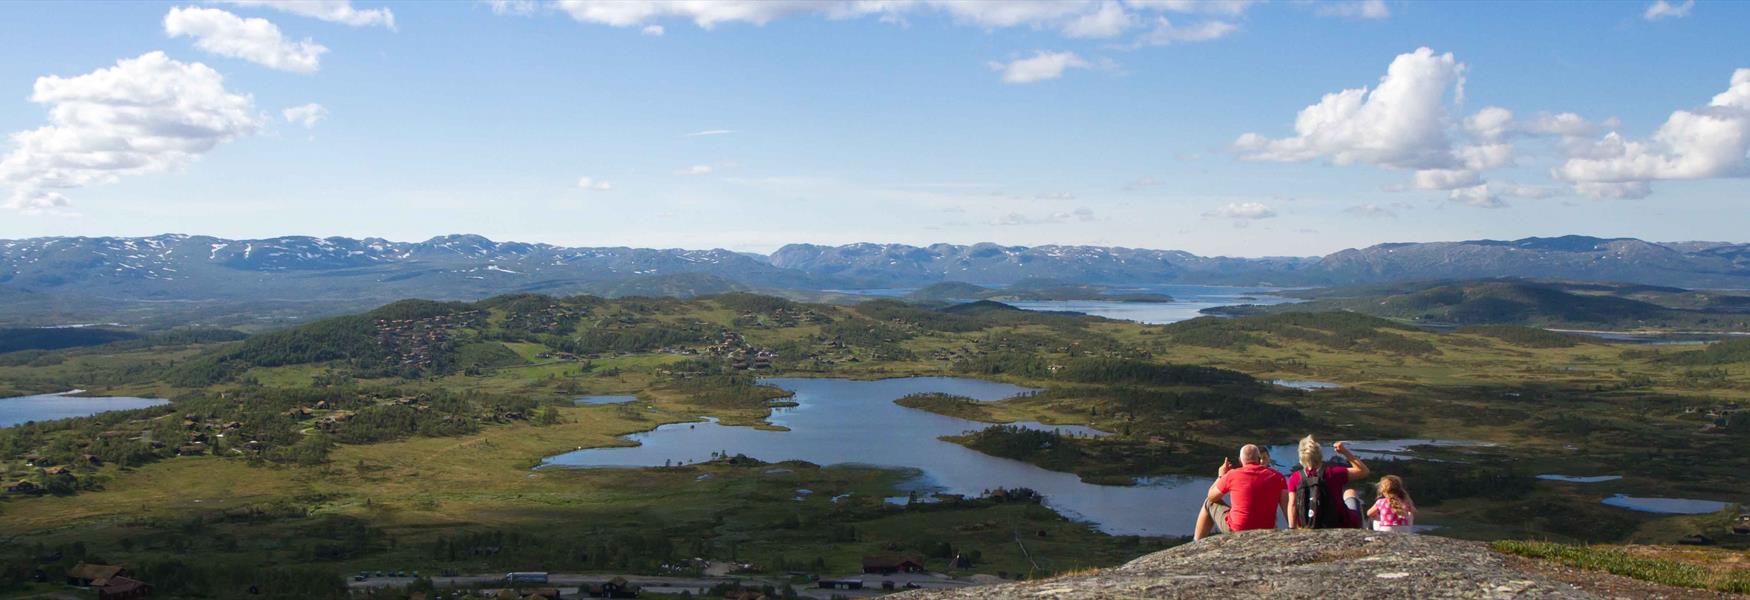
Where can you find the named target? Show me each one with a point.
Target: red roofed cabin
(123, 588)
(87, 575)
(888, 565)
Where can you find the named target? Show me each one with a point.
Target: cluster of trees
(1347, 331)
(1529, 337)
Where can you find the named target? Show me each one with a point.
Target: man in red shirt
(1255, 493)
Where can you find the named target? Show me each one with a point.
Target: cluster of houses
(110, 582)
(416, 342)
(553, 318)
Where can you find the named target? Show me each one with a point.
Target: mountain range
(71, 272)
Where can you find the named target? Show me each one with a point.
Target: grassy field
(471, 503)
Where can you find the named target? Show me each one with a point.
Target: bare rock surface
(1299, 564)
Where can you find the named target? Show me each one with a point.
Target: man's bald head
(1251, 454)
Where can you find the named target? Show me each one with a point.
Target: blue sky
(912, 122)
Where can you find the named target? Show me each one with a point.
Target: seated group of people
(1314, 496)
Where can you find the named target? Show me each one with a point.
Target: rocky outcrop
(1299, 564)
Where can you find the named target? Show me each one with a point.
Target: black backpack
(1309, 503)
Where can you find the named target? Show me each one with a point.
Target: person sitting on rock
(1255, 492)
(1394, 510)
(1318, 497)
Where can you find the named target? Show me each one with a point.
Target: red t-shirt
(1336, 478)
(1254, 493)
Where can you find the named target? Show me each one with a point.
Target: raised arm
(1357, 470)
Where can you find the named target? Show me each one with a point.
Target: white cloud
(1490, 195)
(1401, 123)
(708, 132)
(307, 115)
(1054, 196)
(143, 115)
(696, 170)
(593, 184)
(1444, 179)
(1485, 156)
(1165, 32)
(334, 11)
(512, 7)
(1706, 142)
(1247, 211)
(255, 40)
(1492, 123)
(1071, 18)
(1355, 9)
(1042, 66)
(1666, 10)
(652, 30)
(1109, 21)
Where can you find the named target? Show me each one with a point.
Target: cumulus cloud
(696, 170)
(1041, 66)
(1071, 18)
(593, 184)
(307, 115)
(1354, 9)
(1666, 10)
(1493, 194)
(1401, 123)
(334, 11)
(143, 115)
(652, 30)
(255, 40)
(1143, 183)
(1706, 142)
(1444, 179)
(1242, 211)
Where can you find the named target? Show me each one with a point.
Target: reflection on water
(48, 407)
(1305, 384)
(1187, 301)
(1579, 478)
(605, 399)
(1669, 506)
(838, 421)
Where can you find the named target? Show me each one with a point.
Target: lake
(840, 421)
(604, 399)
(1668, 506)
(1305, 384)
(1187, 301)
(48, 407)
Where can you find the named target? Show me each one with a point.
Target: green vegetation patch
(1622, 562)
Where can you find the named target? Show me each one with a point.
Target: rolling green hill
(1529, 303)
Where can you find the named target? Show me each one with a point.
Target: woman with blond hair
(1318, 497)
(1394, 510)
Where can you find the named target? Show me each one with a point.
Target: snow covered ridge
(42, 263)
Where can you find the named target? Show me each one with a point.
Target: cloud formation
(1354, 9)
(1401, 123)
(143, 115)
(1042, 66)
(1242, 211)
(1666, 10)
(1705, 142)
(255, 40)
(333, 11)
(593, 185)
(307, 115)
(695, 170)
(1096, 19)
